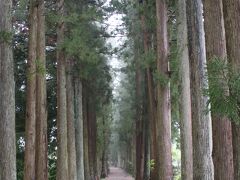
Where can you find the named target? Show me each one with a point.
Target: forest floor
(118, 174)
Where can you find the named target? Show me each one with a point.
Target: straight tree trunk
(140, 154)
(232, 28)
(92, 131)
(85, 134)
(62, 153)
(72, 163)
(151, 105)
(222, 130)
(7, 94)
(41, 98)
(30, 129)
(163, 122)
(185, 102)
(201, 120)
(79, 128)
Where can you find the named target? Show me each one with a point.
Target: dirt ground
(118, 174)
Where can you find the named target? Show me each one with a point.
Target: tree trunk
(151, 105)
(201, 121)
(62, 154)
(222, 130)
(30, 129)
(232, 28)
(79, 128)
(163, 122)
(92, 131)
(7, 94)
(72, 163)
(85, 134)
(41, 104)
(140, 154)
(185, 102)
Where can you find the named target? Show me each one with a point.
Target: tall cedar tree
(72, 163)
(7, 94)
(201, 121)
(163, 122)
(150, 94)
(221, 126)
(30, 129)
(62, 160)
(185, 102)
(41, 105)
(140, 140)
(232, 30)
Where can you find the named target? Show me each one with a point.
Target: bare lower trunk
(140, 140)
(7, 94)
(41, 98)
(185, 102)
(222, 130)
(232, 27)
(163, 122)
(30, 129)
(62, 154)
(85, 135)
(79, 128)
(72, 163)
(201, 121)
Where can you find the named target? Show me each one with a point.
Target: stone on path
(118, 174)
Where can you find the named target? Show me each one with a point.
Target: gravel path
(118, 174)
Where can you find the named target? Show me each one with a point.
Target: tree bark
(232, 28)
(151, 105)
(62, 154)
(140, 140)
(7, 94)
(222, 130)
(163, 122)
(85, 134)
(41, 104)
(201, 120)
(30, 129)
(79, 128)
(72, 163)
(185, 102)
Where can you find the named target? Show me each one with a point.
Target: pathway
(118, 174)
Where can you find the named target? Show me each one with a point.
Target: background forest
(149, 86)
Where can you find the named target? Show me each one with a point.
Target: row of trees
(192, 45)
(63, 90)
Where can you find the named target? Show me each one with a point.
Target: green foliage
(149, 59)
(162, 79)
(5, 37)
(224, 88)
(40, 67)
(151, 164)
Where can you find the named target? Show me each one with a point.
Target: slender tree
(232, 28)
(140, 148)
(85, 133)
(30, 129)
(7, 94)
(185, 102)
(163, 122)
(41, 97)
(201, 121)
(79, 127)
(150, 94)
(222, 130)
(62, 153)
(72, 163)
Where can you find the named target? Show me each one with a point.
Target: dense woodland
(150, 86)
